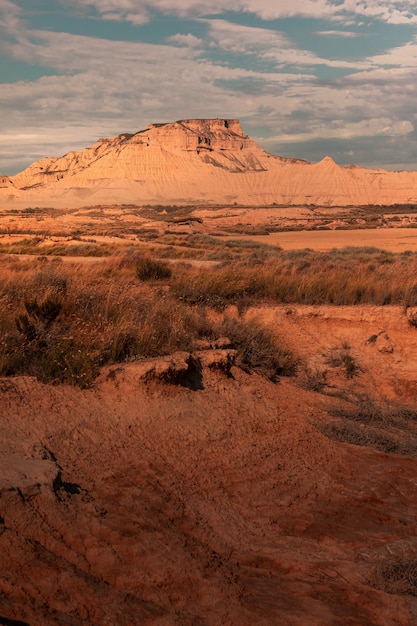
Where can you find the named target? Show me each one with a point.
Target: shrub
(34, 324)
(313, 379)
(412, 319)
(341, 357)
(396, 575)
(259, 350)
(149, 269)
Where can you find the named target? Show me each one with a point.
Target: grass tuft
(259, 350)
(149, 269)
(396, 575)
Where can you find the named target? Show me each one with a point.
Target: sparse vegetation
(149, 269)
(86, 316)
(396, 575)
(136, 305)
(259, 349)
(342, 357)
(313, 378)
(387, 427)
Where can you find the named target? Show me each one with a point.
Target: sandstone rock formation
(207, 161)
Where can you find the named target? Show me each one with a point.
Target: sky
(306, 78)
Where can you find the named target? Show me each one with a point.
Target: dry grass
(259, 349)
(396, 575)
(341, 277)
(150, 269)
(131, 306)
(343, 358)
(387, 427)
(313, 378)
(61, 322)
(105, 315)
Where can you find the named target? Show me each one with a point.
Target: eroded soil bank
(215, 499)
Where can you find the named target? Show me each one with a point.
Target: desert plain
(208, 413)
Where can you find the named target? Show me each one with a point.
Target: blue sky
(307, 78)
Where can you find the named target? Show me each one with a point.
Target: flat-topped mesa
(196, 135)
(219, 142)
(208, 161)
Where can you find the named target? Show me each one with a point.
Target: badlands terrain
(208, 406)
(198, 161)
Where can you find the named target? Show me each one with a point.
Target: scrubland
(62, 321)
(292, 459)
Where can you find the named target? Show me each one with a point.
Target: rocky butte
(206, 161)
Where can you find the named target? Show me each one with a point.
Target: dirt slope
(145, 502)
(197, 161)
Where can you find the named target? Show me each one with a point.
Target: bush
(396, 575)
(313, 379)
(341, 357)
(148, 269)
(259, 350)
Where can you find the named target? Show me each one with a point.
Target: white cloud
(338, 33)
(267, 44)
(188, 40)
(404, 56)
(10, 19)
(338, 129)
(389, 11)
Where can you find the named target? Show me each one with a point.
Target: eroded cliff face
(217, 142)
(5, 182)
(206, 161)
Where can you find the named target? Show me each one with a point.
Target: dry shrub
(342, 357)
(259, 349)
(313, 378)
(389, 428)
(412, 319)
(353, 433)
(396, 575)
(149, 269)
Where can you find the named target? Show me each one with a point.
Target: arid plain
(208, 413)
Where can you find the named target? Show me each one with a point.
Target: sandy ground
(392, 239)
(119, 226)
(143, 502)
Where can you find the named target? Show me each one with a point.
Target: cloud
(338, 33)
(104, 87)
(268, 45)
(338, 129)
(188, 40)
(389, 11)
(10, 19)
(404, 56)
